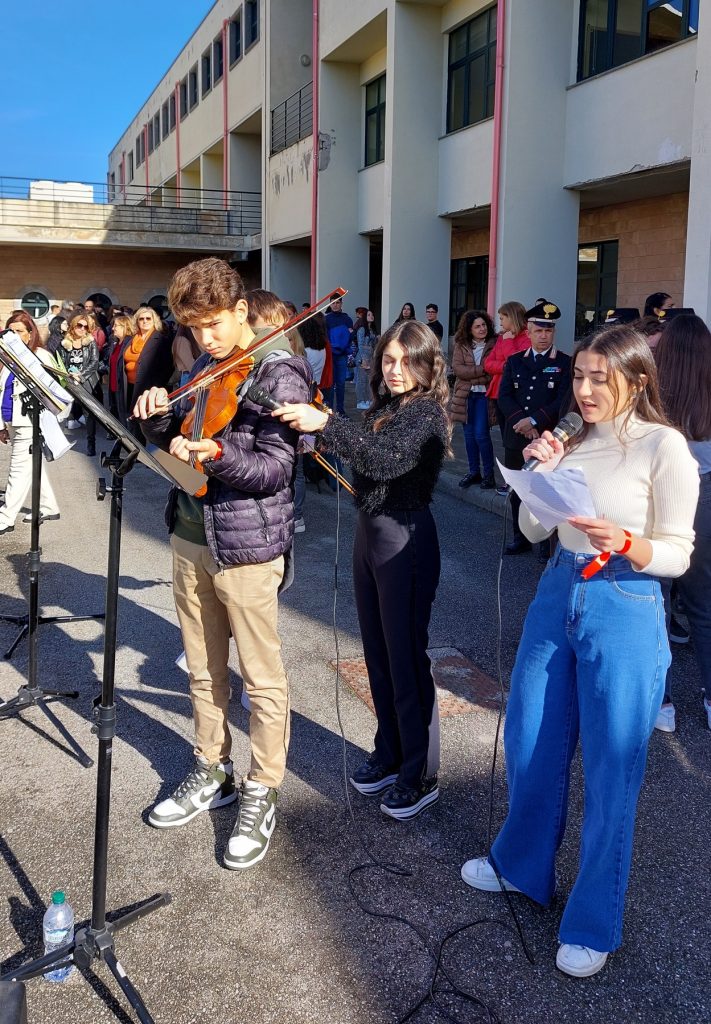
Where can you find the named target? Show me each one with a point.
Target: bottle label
(57, 936)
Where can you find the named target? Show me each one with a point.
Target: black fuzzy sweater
(395, 468)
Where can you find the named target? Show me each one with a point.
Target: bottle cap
(58, 897)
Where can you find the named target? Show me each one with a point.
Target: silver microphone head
(568, 427)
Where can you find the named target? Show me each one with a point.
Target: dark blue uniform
(539, 388)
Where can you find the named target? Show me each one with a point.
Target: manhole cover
(462, 688)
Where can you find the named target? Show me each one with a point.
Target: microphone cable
(433, 992)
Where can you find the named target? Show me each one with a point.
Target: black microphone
(261, 397)
(568, 427)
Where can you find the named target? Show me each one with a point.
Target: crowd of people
(593, 660)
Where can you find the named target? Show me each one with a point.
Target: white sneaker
(73, 425)
(480, 875)
(579, 961)
(707, 705)
(666, 718)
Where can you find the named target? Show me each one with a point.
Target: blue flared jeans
(477, 435)
(590, 666)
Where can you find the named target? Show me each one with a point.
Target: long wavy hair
(683, 357)
(463, 336)
(18, 316)
(426, 364)
(629, 359)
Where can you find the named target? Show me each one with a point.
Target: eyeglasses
(147, 319)
(84, 327)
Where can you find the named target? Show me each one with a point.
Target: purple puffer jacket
(249, 505)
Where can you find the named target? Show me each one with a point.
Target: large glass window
(165, 120)
(193, 87)
(472, 69)
(236, 37)
(156, 131)
(206, 72)
(613, 32)
(468, 286)
(171, 111)
(218, 59)
(35, 303)
(597, 284)
(375, 121)
(251, 22)
(183, 99)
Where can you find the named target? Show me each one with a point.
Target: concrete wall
(371, 198)
(465, 168)
(290, 24)
(289, 192)
(415, 238)
(290, 272)
(538, 228)
(653, 101)
(697, 286)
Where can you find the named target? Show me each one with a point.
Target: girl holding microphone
(594, 652)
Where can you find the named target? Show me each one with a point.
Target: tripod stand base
(91, 944)
(29, 696)
(23, 621)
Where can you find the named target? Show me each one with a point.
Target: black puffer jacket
(249, 505)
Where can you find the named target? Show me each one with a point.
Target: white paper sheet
(552, 497)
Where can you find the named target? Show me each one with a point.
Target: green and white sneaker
(257, 817)
(206, 787)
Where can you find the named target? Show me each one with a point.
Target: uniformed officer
(534, 388)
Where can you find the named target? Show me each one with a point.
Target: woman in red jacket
(513, 338)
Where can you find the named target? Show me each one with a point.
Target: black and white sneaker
(206, 787)
(256, 822)
(371, 777)
(678, 634)
(403, 802)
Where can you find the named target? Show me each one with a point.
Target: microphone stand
(32, 693)
(96, 942)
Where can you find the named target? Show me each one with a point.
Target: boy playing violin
(229, 551)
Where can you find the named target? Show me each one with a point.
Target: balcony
(292, 120)
(158, 216)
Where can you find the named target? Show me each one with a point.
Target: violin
(214, 391)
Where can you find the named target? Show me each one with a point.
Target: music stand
(42, 392)
(96, 942)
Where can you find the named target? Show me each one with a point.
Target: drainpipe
(145, 151)
(496, 163)
(225, 131)
(177, 143)
(314, 164)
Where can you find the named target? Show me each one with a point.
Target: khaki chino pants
(242, 598)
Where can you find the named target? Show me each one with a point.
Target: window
(165, 124)
(140, 148)
(130, 166)
(112, 187)
(597, 284)
(183, 99)
(171, 112)
(236, 38)
(472, 67)
(150, 136)
(218, 60)
(206, 64)
(468, 286)
(375, 121)
(156, 131)
(613, 32)
(35, 303)
(193, 87)
(251, 23)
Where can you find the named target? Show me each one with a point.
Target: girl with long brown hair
(683, 358)
(594, 652)
(16, 429)
(473, 342)
(396, 454)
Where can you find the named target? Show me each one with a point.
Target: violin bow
(213, 373)
(329, 468)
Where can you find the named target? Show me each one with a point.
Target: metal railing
(293, 119)
(101, 205)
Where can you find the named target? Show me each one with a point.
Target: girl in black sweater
(396, 455)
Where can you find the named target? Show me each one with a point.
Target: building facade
(466, 153)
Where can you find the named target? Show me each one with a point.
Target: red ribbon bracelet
(604, 557)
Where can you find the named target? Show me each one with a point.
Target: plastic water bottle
(58, 930)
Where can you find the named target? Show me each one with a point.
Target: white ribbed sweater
(645, 481)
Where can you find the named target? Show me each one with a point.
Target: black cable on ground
(433, 993)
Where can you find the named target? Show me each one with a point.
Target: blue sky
(73, 74)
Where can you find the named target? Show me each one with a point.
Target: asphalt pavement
(287, 941)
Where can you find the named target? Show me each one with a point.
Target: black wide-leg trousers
(396, 567)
